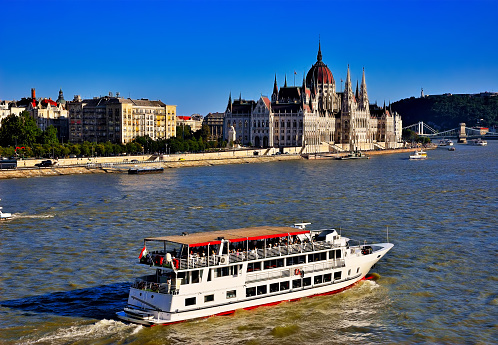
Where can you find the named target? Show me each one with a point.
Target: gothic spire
(357, 91)
(363, 92)
(229, 106)
(348, 82)
(319, 55)
(285, 84)
(275, 86)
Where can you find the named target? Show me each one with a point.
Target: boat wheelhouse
(214, 273)
(417, 155)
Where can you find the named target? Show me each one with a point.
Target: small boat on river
(478, 142)
(215, 273)
(139, 171)
(417, 155)
(4, 215)
(446, 142)
(354, 155)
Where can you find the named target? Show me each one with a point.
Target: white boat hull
(151, 308)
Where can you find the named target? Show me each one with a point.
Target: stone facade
(313, 116)
(215, 123)
(119, 120)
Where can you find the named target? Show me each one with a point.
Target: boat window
(296, 283)
(296, 260)
(307, 281)
(284, 285)
(183, 277)
(208, 298)
(222, 272)
(349, 272)
(189, 301)
(250, 292)
(318, 279)
(231, 294)
(337, 275)
(327, 277)
(274, 287)
(335, 254)
(317, 257)
(269, 264)
(254, 266)
(261, 289)
(209, 275)
(357, 270)
(234, 270)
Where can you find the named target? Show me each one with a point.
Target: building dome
(319, 73)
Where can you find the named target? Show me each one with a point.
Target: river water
(69, 255)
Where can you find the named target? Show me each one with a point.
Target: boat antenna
(387, 233)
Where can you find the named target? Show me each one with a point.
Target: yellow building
(119, 120)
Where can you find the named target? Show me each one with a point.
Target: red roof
(49, 101)
(184, 118)
(267, 101)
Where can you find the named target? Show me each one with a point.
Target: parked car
(47, 163)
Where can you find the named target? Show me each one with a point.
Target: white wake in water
(31, 216)
(103, 329)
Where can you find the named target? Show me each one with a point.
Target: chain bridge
(462, 132)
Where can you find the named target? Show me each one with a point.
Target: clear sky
(194, 53)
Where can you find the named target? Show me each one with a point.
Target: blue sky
(194, 53)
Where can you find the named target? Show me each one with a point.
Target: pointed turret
(229, 105)
(363, 93)
(319, 55)
(357, 92)
(347, 87)
(285, 84)
(274, 95)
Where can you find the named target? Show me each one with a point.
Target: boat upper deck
(233, 235)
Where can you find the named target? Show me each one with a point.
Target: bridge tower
(462, 136)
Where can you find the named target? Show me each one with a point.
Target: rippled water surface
(69, 254)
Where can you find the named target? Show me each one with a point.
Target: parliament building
(314, 117)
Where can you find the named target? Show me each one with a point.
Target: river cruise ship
(215, 273)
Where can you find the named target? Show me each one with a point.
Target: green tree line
(20, 136)
(445, 112)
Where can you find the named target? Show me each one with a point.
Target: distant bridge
(422, 129)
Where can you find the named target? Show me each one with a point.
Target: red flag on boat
(143, 252)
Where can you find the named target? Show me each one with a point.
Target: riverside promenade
(121, 164)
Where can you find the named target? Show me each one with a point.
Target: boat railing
(145, 285)
(261, 276)
(195, 261)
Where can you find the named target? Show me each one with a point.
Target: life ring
(297, 272)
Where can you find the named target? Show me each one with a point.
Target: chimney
(33, 93)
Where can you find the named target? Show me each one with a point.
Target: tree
(19, 130)
(49, 136)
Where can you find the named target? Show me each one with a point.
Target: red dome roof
(319, 73)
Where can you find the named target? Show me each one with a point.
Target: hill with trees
(443, 112)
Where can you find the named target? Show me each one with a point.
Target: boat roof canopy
(235, 235)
